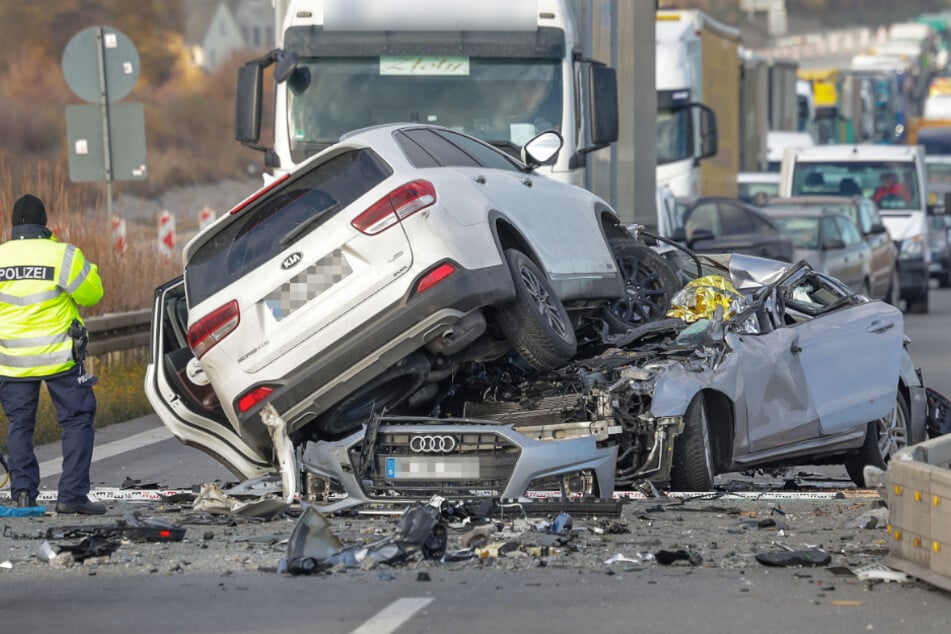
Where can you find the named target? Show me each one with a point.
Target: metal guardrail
(119, 331)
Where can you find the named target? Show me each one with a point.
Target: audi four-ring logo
(432, 444)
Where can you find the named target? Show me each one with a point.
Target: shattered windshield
(505, 101)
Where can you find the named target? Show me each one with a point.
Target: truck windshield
(674, 129)
(503, 101)
(893, 185)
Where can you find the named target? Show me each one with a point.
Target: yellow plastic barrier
(918, 489)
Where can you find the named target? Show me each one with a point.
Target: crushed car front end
(401, 460)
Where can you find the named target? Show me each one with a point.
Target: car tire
(893, 295)
(883, 438)
(649, 286)
(536, 323)
(693, 466)
(944, 279)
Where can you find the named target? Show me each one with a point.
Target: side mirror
(877, 228)
(699, 235)
(679, 235)
(542, 148)
(602, 91)
(247, 115)
(708, 132)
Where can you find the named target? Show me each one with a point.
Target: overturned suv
(374, 273)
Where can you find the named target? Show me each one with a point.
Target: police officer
(42, 283)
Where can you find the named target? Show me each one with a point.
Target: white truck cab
(894, 177)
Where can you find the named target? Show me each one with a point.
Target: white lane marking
(393, 615)
(101, 452)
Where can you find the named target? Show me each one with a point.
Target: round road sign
(81, 64)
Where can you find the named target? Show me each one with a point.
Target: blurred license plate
(432, 468)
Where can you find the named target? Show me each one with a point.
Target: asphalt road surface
(224, 578)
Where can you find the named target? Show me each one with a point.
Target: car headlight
(911, 248)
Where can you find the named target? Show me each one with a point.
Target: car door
(851, 358)
(775, 393)
(180, 393)
(839, 259)
(882, 259)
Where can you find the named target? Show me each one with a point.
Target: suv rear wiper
(303, 227)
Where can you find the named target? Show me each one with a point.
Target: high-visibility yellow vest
(42, 284)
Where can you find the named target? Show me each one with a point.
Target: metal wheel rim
(638, 303)
(892, 431)
(542, 300)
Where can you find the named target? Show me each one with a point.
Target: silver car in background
(883, 279)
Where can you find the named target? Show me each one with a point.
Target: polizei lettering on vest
(10, 273)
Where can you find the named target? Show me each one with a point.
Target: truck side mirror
(708, 131)
(247, 116)
(604, 109)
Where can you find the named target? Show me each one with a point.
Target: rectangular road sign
(127, 134)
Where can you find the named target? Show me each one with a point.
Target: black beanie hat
(29, 210)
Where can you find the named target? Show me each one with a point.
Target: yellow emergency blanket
(700, 297)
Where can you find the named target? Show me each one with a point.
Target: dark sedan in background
(713, 224)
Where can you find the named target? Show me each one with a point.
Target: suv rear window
(270, 225)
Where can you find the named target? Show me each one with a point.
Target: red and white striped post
(166, 230)
(119, 235)
(205, 217)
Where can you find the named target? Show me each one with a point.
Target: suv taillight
(209, 330)
(398, 204)
(252, 398)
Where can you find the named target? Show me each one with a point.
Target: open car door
(851, 354)
(180, 393)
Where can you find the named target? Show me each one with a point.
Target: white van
(891, 175)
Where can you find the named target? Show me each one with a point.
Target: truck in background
(806, 108)
(697, 97)
(500, 70)
(844, 105)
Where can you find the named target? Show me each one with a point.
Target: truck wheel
(883, 438)
(536, 323)
(649, 285)
(692, 468)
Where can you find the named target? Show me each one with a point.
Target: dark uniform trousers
(75, 406)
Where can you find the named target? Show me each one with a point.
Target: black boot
(25, 500)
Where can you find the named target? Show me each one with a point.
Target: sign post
(101, 65)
